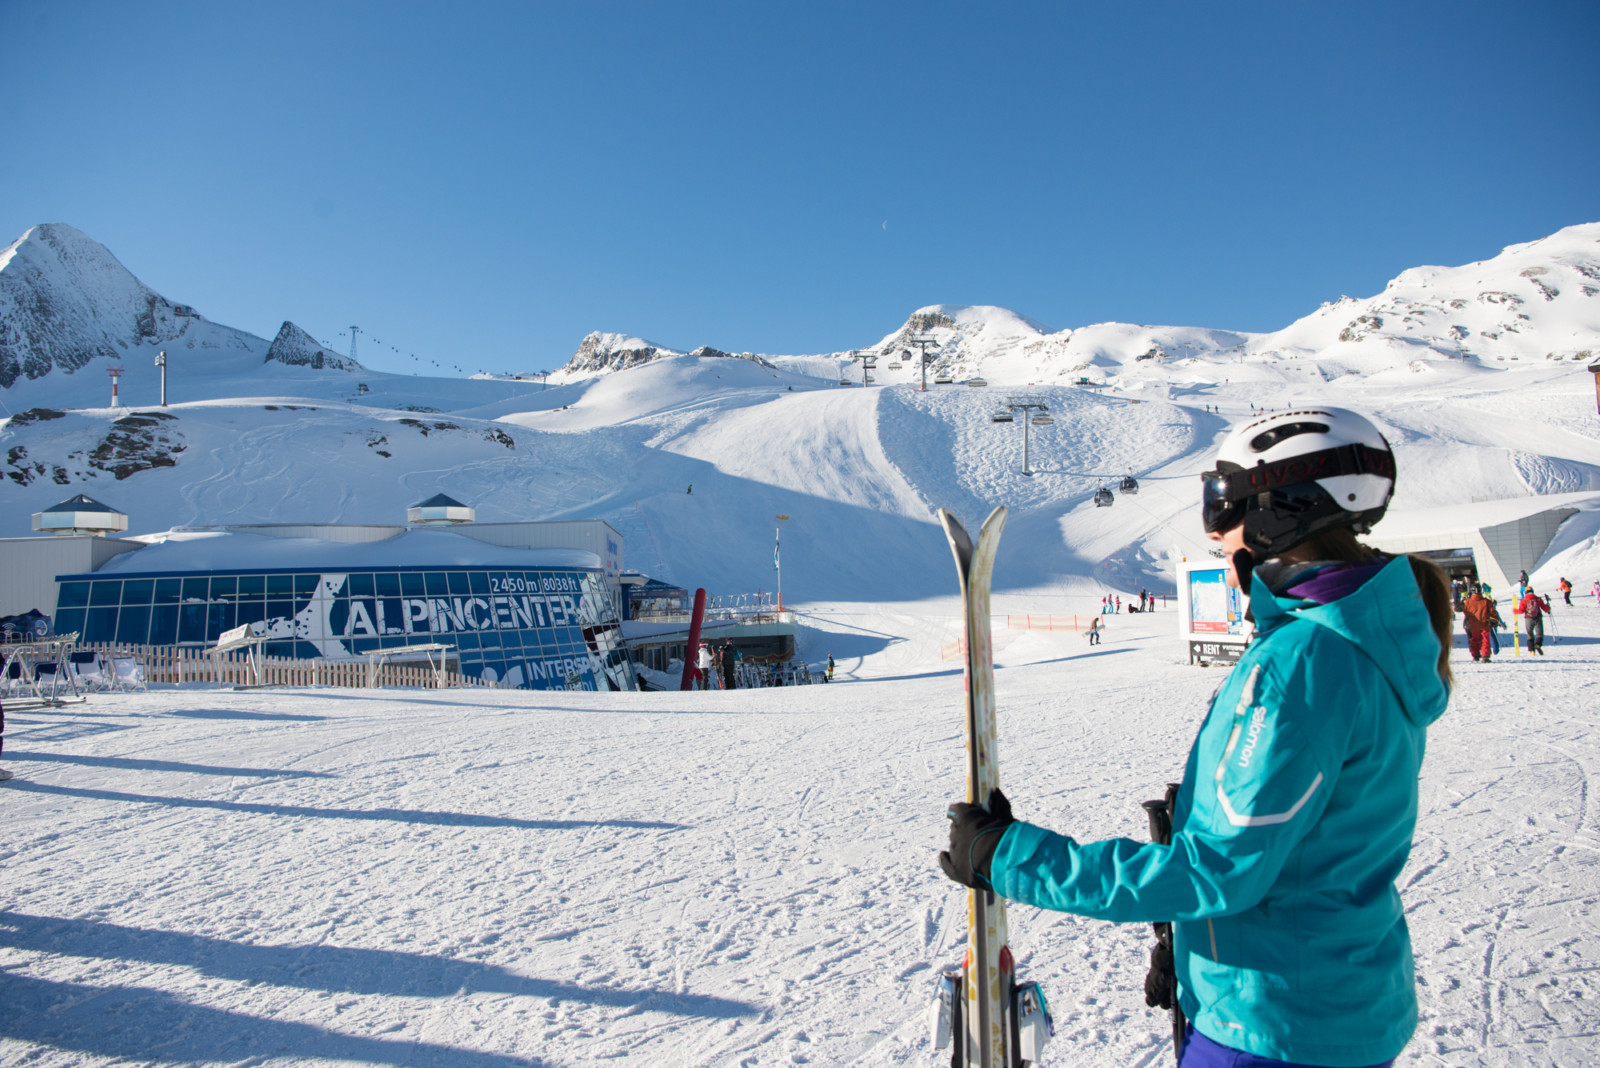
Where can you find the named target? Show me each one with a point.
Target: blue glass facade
(547, 629)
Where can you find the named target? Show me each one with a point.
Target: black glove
(1161, 980)
(974, 836)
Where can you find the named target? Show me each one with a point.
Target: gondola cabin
(1103, 497)
(1128, 485)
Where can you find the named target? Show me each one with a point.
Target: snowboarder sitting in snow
(1299, 795)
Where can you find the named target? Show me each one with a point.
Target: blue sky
(482, 184)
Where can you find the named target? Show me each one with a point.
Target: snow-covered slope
(258, 436)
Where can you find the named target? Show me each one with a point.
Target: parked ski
(996, 1023)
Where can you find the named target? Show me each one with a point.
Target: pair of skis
(995, 1022)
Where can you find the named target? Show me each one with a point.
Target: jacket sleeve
(1264, 788)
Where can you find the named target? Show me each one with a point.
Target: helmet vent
(1268, 438)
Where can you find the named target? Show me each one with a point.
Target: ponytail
(1339, 543)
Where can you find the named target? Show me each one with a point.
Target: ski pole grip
(1159, 813)
(1160, 822)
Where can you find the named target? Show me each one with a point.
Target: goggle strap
(1352, 459)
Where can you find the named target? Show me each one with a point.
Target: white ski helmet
(1293, 474)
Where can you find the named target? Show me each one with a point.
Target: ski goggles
(1218, 511)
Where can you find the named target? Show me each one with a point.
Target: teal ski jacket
(1294, 819)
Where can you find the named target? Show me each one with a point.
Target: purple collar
(1330, 583)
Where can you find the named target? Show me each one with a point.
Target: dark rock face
(138, 442)
(922, 322)
(612, 352)
(297, 348)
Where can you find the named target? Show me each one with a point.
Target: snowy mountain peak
(1532, 301)
(601, 352)
(296, 347)
(66, 301)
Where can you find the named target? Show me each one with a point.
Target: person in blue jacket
(1299, 795)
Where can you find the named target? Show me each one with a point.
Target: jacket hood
(1386, 619)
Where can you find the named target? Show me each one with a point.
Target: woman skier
(1299, 795)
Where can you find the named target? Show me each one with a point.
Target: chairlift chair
(1103, 497)
(1002, 416)
(977, 382)
(942, 380)
(1044, 419)
(1129, 484)
(895, 366)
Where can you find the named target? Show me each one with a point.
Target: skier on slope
(1532, 609)
(1299, 795)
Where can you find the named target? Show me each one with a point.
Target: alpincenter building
(520, 604)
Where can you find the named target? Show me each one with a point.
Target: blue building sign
(546, 629)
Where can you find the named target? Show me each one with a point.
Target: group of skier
(1299, 797)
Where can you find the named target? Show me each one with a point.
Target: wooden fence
(177, 664)
(1033, 622)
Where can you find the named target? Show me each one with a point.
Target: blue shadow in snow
(331, 968)
(392, 815)
(231, 713)
(136, 1024)
(167, 765)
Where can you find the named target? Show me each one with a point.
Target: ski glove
(974, 836)
(1161, 981)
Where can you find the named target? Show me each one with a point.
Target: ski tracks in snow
(488, 878)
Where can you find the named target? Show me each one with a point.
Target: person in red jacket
(1477, 612)
(1533, 607)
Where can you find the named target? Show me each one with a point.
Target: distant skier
(1476, 611)
(1094, 630)
(1299, 799)
(1566, 591)
(1596, 592)
(830, 667)
(1532, 608)
(690, 490)
(703, 662)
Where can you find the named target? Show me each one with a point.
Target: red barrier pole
(693, 648)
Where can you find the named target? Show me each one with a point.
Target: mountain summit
(65, 301)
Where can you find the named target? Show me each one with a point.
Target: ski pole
(1159, 814)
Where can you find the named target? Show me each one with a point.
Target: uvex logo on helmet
(1356, 459)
